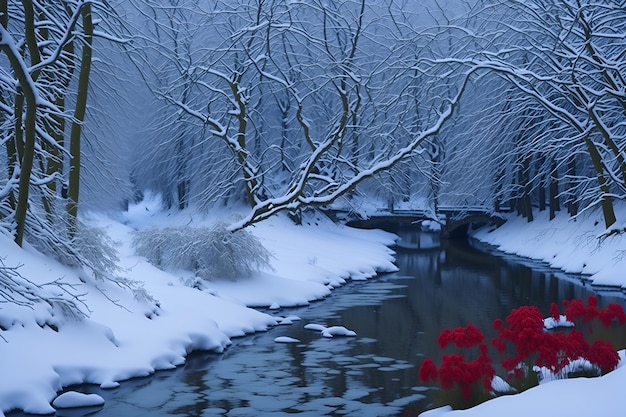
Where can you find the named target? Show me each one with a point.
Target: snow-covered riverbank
(125, 337)
(578, 246)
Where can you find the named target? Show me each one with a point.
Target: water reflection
(397, 319)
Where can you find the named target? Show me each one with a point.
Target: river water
(397, 318)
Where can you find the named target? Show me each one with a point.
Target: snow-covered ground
(126, 337)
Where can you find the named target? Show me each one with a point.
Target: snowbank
(126, 336)
(573, 245)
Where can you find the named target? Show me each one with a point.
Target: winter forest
(282, 105)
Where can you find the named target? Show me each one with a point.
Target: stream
(397, 318)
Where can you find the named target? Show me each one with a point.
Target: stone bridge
(453, 221)
(456, 222)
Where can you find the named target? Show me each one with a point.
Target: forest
(283, 105)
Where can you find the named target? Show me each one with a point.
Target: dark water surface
(397, 318)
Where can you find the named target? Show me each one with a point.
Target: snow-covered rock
(73, 399)
(337, 331)
(315, 327)
(286, 339)
(330, 331)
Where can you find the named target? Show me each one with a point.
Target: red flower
(444, 338)
(517, 373)
(497, 324)
(575, 345)
(510, 363)
(498, 344)
(454, 369)
(463, 337)
(526, 333)
(576, 309)
(613, 312)
(554, 312)
(428, 371)
(603, 355)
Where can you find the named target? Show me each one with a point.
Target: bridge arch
(454, 221)
(457, 227)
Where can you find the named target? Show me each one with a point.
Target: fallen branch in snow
(20, 291)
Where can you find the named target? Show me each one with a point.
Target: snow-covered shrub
(90, 249)
(57, 296)
(211, 253)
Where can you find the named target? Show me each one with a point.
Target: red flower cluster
(603, 355)
(463, 337)
(533, 346)
(454, 368)
(555, 350)
(577, 310)
(525, 331)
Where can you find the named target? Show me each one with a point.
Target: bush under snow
(210, 252)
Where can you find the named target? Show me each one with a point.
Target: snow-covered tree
(565, 61)
(289, 104)
(45, 71)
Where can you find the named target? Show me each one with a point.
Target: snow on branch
(297, 197)
(61, 297)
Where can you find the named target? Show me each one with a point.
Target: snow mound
(73, 399)
(330, 331)
(286, 339)
(500, 385)
(337, 331)
(287, 320)
(550, 323)
(315, 327)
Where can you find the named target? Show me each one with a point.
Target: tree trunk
(606, 201)
(524, 206)
(542, 188)
(79, 117)
(554, 191)
(26, 163)
(4, 13)
(10, 142)
(572, 204)
(251, 182)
